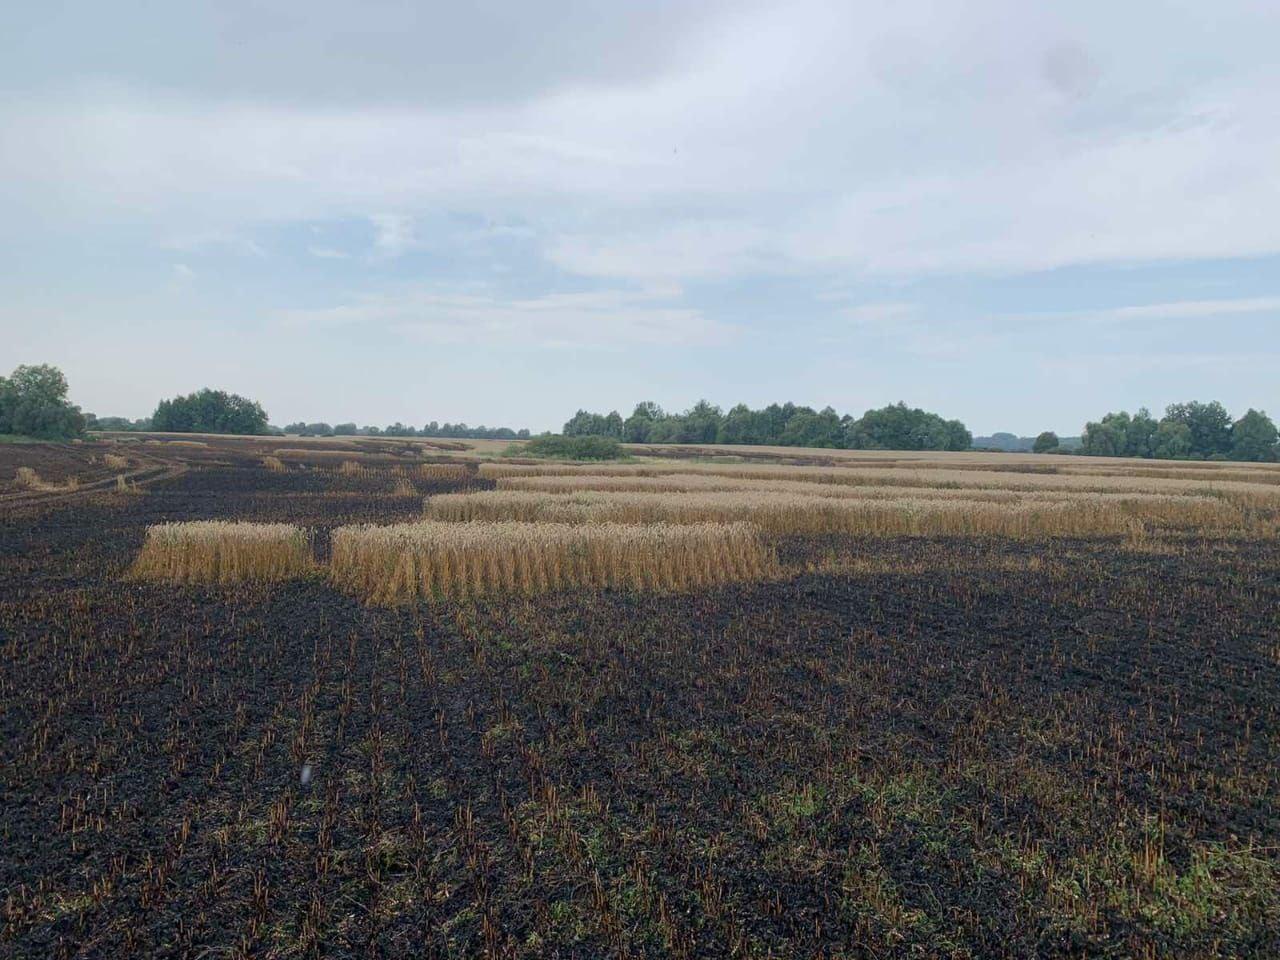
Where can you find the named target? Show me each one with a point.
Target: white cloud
(394, 234)
(881, 314)
(809, 138)
(1189, 309)
(686, 251)
(608, 319)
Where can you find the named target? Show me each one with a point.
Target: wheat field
(796, 513)
(433, 560)
(219, 551)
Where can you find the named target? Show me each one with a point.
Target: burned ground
(902, 748)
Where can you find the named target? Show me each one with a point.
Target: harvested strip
(446, 560)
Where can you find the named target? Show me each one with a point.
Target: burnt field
(893, 746)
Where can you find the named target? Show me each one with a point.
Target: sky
(1019, 214)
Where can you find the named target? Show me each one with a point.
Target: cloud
(881, 314)
(1188, 309)
(606, 319)
(684, 251)
(809, 139)
(393, 234)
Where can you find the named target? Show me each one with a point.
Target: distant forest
(451, 431)
(1187, 431)
(895, 427)
(33, 403)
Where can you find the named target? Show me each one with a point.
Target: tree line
(895, 427)
(33, 403)
(1187, 431)
(448, 431)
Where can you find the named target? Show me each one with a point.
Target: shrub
(570, 448)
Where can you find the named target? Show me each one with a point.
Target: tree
(1141, 434)
(742, 425)
(1254, 437)
(899, 427)
(210, 411)
(345, 430)
(701, 424)
(1172, 441)
(587, 424)
(117, 424)
(810, 429)
(1107, 438)
(637, 427)
(1209, 423)
(33, 403)
(1046, 442)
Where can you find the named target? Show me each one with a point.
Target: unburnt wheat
(450, 560)
(218, 551)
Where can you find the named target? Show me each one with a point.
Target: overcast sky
(1019, 214)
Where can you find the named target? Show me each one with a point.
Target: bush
(570, 448)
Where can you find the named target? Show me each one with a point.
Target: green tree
(1172, 441)
(33, 403)
(899, 427)
(210, 411)
(1105, 438)
(810, 429)
(1254, 437)
(1140, 436)
(701, 424)
(1046, 442)
(638, 427)
(587, 424)
(1209, 423)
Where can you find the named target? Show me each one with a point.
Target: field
(886, 705)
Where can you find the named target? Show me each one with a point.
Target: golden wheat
(114, 461)
(274, 464)
(218, 551)
(447, 560)
(444, 471)
(1239, 492)
(791, 513)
